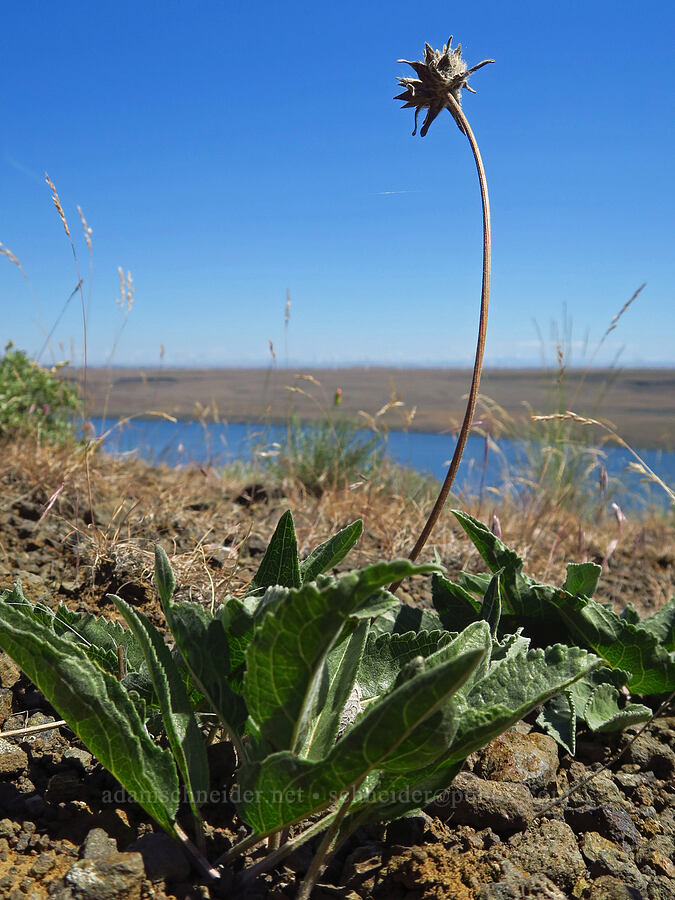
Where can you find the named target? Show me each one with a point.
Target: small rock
(600, 791)
(530, 759)
(651, 755)
(62, 787)
(77, 758)
(13, 760)
(604, 857)
(501, 806)
(162, 857)
(408, 830)
(661, 888)
(657, 853)
(551, 849)
(610, 821)
(608, 888)
(43, 864)
(97, 844)
(118, 876)
(6, 700)
(255, 545)
(533, 887)
(9, 671)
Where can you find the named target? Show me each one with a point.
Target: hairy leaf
(409, 727)
(204, 646)
(331, 552)
(455, 605)
(582, 578)
(96, 707)
(284, 661)
(622, 644)
(559, 719)
(603, 713)
(280, 564)
(387, 653)
(337, 685)
(662, 625)
(180, 725)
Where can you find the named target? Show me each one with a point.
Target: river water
(191, 443)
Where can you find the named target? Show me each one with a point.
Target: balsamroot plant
(343, 706)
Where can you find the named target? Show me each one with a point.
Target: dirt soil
(67, 832)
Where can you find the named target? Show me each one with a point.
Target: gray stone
(530, 759)
(608, 888)
(604, 857)
(97, 844)
(118, 876)
(612, 822)
(43, 864)
(78, 758)
(651, 755)
(13, 760)
(600, 791)
(516, 886)
(551, 850)
(661, 888)
(501, 806)
(163, 858)
(657, 853)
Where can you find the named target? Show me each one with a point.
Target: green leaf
(455, 605)
(204, 646)
(331, 552)
(180, 725)
(475, 583)
(582, 578)
(411, 726)
(284, 661)
(164, 580)
(513, 688)
(622, 644)
(386, 654)
(496, 554)
(662, 625)
(402, 618)
(559, 719)
(280, 564)
(603, 713)
(336, 688)
(96, 706)
(491, 610)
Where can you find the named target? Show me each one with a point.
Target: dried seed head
(443, 72)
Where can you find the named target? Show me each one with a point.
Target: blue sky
(225, 152)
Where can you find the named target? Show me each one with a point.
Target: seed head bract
(443, 72)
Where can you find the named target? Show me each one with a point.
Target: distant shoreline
(639, 402)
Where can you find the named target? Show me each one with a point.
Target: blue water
(184, 443)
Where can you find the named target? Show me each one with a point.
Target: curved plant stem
(462, 121)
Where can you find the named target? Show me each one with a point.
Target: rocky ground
(66, 831)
